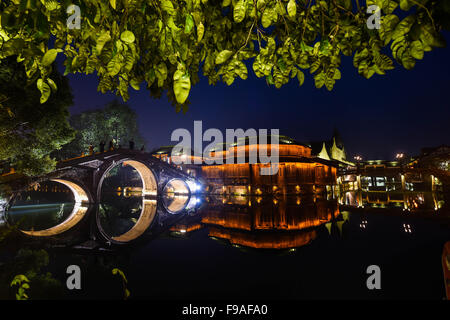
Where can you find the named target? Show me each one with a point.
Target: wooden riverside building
(298, 170)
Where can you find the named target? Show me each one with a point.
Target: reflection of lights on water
(193, 202)
(407, 228)
(149, 192)
(363, 224)
(193, 186)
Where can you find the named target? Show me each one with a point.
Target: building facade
(295, 171)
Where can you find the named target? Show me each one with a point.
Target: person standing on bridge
(111, 146)
(131, 143)
(102, 146)
(91, 150)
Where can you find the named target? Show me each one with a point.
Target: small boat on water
(446, 268)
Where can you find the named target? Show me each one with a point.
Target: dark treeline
(114, 125)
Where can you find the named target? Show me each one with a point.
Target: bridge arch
(79, 211)
(148, 177)
(146, 218)
(149, 206)
(177, 186)
(176, 195)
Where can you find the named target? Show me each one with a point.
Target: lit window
(380, 182)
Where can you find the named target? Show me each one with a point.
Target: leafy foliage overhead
(163, 44)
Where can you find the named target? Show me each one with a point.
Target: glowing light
(193, 186)
(407, 228)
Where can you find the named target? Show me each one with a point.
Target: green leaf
(408, 61)
(49, 57)
(314, 66)
(403, 27)
(113, 4)
(181, 86)
(113, 66)
(127, 37)
(329, 83)
(417, 50)
(319, 80)
(337, 74)
(387, 27)
(406, 5)
(161, 73)
(279, 8)
(52, 84)
(50, 5)
(239, 11)
(300, 77)
(268, 16)
(189, 24)
(223, 56)
(200, 31)
(120, 272)
(292, 8)
(167, 6)
(260, 4)
(44, 89)
(101, 40)
(241, 70)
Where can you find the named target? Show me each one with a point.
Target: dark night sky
(401, 111)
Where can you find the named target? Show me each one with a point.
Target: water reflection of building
(411, 201)
(268, 223)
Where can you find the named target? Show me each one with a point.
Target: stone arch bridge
(84, 176)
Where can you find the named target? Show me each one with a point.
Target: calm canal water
(245, 247)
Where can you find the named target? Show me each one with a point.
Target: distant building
(183, 159)
(298, 172)
(434, 158)
(332, 150)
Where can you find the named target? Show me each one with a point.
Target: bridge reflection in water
(55, 208)
(235, 247)
(125, 214)
(128, 204)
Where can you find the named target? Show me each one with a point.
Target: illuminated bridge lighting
(79, 210)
